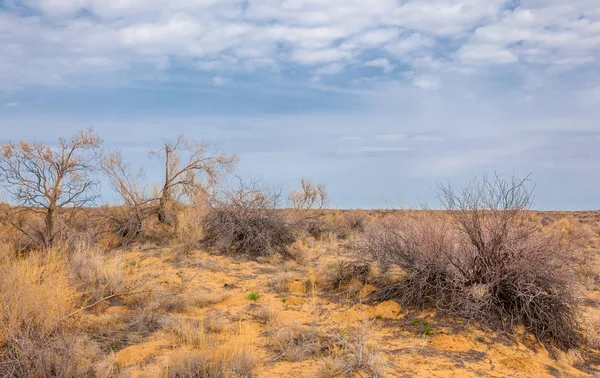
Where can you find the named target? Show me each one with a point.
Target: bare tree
(310, 196)
(42, 179)
(126, 221)
(189, 168)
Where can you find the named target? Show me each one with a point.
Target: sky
(379, 100)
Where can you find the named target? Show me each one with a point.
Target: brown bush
(483, 260)
(247, 221)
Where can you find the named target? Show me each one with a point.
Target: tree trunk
(162, 206)
(49, 232)
(164, 195)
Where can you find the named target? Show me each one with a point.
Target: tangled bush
(247, 221)
(482, 259)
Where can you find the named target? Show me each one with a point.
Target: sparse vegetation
(253, 296)
(246, 220)
(483, 260)
(199, 281)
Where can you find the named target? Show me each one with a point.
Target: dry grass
(98, 274)
(190, 332)
(46, 328)
(296, 343)
(37, 335)
(228, 361)
(591, 326)
(355, 351)
(189, 228)
(263, 313)
(281, 282)
(204, 355)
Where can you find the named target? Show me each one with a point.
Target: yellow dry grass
(148, 311)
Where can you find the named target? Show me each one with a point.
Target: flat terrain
(276, 317)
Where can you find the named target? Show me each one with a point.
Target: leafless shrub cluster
(246, 220)
(482, 259)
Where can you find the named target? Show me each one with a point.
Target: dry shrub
(591, 326)
(263, 314)
(99, 275)
(189, 228)
(355, 351)
(188, 331)
(317, 228)
(229, 361)
(204, 355)
(215, 321)
(281, 282)
(38, 338)
(345, 351)
(348, 271)
(484, 260)
(123, 225)
(296, 343)
(247, 221)
(157, 233)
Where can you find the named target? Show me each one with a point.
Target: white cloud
(331, 69)
(381, 63)
(219, 81)
(486, 54)
(311, 57)
(59, 44)
(427, 82)
(11, 104)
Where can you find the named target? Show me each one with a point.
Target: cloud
(12, 104)
(426, 82)
(486, 54)
(219, 81)
(382, 63)
(60, 42)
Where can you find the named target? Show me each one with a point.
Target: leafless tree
(42, 179)
(189, 168)
(310, 196)
(127, 221)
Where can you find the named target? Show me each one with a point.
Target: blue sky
(379, 100)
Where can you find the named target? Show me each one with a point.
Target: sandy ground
(409, 343)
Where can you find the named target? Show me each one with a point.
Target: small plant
(426, 331)
(253, 296)
(379, 317)
(415, 322)
(284, 299)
